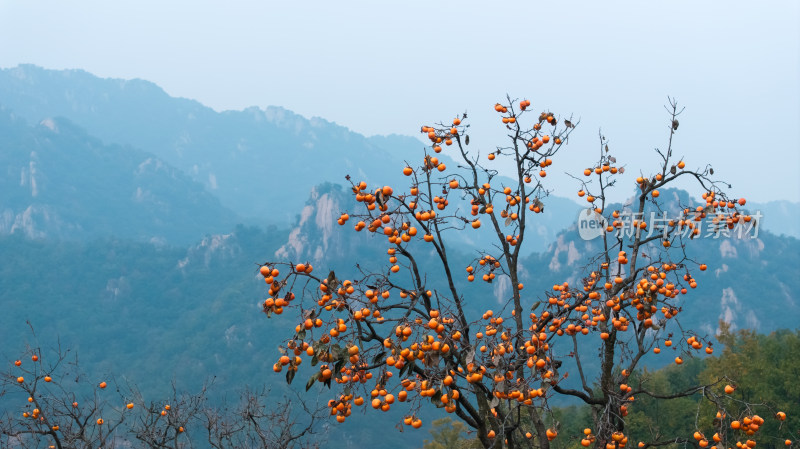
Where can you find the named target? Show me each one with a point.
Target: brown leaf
(380, 198)
(332, 281)
(431, 359)
(470, 356)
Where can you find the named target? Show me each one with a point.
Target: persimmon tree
(385, 338)
(47, 401)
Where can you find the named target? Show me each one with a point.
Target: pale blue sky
(379, 68)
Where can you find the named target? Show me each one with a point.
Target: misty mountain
(59, 182)
(261, 163)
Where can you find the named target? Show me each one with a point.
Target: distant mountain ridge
(261, 163)
(59, 182)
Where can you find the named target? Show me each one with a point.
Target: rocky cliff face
(316, 236)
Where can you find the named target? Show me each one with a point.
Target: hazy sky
(388, 67)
